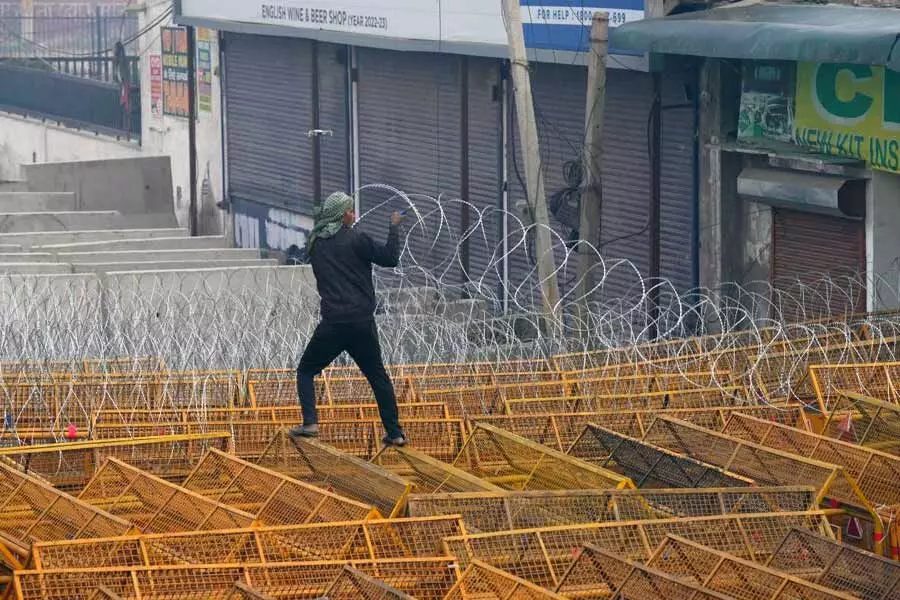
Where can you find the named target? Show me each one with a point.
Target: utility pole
(592, 194)
(192, 128)
(534, 177)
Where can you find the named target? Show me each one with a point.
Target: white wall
(882, 241)
(169, 135)
(25, 141)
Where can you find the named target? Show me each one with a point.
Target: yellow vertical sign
(850, 110)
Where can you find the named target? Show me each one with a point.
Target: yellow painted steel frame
(327, 467)
(374, 539)
(519, 463)
(353, 584)
(428, 474)
(273, 498)
(153, 504)
(881, 421)
(485, 512)
(648, 465)
(559, 430)
(772, 365)
(424, 578)
(32, 510)
(875, 472)
(104, 593)
(721, 572)
(242, 591)
(836, 565)
(878, 380)
(599, 573)
(541, 555)
(73, 464)
(480, 580)
(768, 466)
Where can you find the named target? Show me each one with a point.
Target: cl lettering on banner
(850, 110)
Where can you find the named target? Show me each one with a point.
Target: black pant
(360, 340)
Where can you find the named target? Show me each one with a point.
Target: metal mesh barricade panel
(271, 497)
(328, 468)
(352, 584)
(357, 540)
(598, 573)
(539, 555)
(648, 465)
(426, 579)
(155, 505)
(485, 512)
(827, 562)
(484, 581)
(732, 576)
(515, 462)
(31, 510)
(427, 474)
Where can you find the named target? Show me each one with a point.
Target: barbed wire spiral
(431, 309)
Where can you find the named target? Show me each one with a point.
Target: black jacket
(343, 268)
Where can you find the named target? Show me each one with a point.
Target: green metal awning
(796, 32)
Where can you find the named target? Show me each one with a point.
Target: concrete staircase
(78, 229)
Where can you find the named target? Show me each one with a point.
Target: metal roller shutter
(559, 93)
(409, 138)
(333, 117)
(808, 246)
(269, 91)
(485, 155)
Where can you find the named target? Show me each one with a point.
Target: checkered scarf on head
(329, 218)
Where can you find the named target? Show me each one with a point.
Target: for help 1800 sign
(850, 110)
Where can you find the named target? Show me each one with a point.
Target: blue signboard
(565, 25)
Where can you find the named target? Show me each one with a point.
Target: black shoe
(398, 441)
(304, 431)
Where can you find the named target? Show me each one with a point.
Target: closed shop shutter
(560, 110)
(333, 108)
(269, 100)
(409, 138)
(812, 257)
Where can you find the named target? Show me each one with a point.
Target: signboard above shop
(555, 30)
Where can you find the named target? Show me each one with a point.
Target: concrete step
(31, 239)
(29, 202)
(13, 186)
(27, 257)
(177, 265)
(35, 268)
(79, 221)
(197, 255)
(149, 244)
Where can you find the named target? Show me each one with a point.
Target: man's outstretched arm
(387, 255)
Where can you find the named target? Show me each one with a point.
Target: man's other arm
(387, 255)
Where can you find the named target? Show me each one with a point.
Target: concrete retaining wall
(150, 244)
(13, 202)
(132, 186)
(80, 221)
(195, 255)
(25, 140)
(27, 240)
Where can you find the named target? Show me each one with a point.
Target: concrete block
(79, 221)
(174, 265)
(161, 256)
(216, 306)
(148, 244)
(36, 309)
(27, 257)
(31, 239)
(28, 202)
(130, 185)
(36, 268)
(13, 186)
